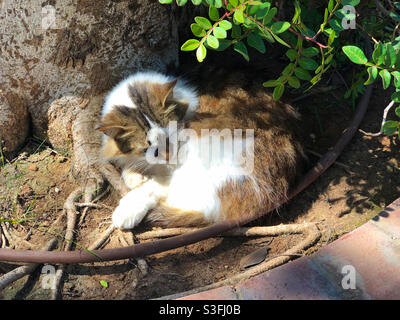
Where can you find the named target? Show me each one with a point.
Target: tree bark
(59, 58)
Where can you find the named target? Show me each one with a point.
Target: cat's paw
(135, 204)
(129, 214)
(133, 179)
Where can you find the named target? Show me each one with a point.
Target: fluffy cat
(190, 180)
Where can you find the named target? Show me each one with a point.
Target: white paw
(134, 206)
(133, 179)
(127, 216)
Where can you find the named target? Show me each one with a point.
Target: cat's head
(131, 132)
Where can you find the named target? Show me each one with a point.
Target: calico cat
(169, 143)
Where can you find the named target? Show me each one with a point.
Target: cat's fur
(196, 192)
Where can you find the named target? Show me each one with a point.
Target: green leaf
(236, 31)
(165, 1)
(310, 52)
(197, 30)
(355, 54)
(203, 22)
(225, 24)
(350, 2)
(292, 54)
(255, 41)
(262, 10)
(104, 283)
(280, 40)
(386, 77)
(270, 15)
(332, 37)
(241, 48)
(223, 44)
(396, 76)
(219, 33)
(238, 16)
(212, 41)
(271, 83)
(397, 111)
(181, 2)
(213, 13)
(294, 82)
(201, 53)
(278, 91)
(336, 24)
(280, 26)
(396, 98)
(196, 2)
(377, 52)
(308, 63)
(395, 16)
(302, 74)
(190, 45)
(372, 75)
(234, 3)
(390, 127)
(391, 55)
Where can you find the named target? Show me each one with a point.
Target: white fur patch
(194, 186)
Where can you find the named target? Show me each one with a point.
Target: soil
(363, 181)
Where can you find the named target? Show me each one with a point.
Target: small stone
(56, 190)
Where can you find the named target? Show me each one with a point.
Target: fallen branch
(22, 271)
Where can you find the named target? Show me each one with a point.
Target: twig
(238, 232)
(141, 263)
(339, 164)
(22, 271)
(92, 205)
(385, 112)
(103, 238)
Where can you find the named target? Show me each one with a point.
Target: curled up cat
(193, 160)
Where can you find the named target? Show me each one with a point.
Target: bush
(317, 37)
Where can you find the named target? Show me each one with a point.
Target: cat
(160, 132)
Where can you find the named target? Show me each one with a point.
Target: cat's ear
(110, 129)
(164, 91)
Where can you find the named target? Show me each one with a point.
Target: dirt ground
(35, 185)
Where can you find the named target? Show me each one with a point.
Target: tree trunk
(59, 58)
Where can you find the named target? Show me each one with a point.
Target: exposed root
(141, 263)
(70, 209)
(103, 238)
(22, 271)
(238, 232)
(308, 228)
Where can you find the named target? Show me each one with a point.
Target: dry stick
(238, 232)
(70, 209)
(103, 238)
(22, 271)
(339, 164)
(141, 263)
(313, 236)
(385, 112)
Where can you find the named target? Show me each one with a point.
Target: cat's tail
(169, 217)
